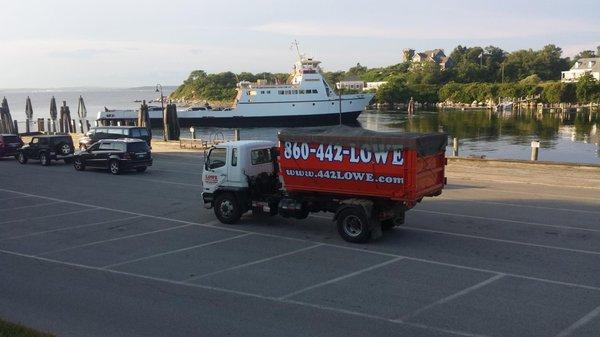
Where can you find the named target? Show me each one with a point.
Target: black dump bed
(424, 144)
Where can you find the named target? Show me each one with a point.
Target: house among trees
(434, 55)
(581, 67)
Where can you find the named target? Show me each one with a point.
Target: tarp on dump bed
(424, 143)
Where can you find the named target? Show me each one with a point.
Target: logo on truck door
(337, 153)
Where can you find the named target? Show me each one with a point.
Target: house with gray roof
(434, 55)
(581, 67)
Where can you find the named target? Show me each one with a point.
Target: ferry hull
(260, 121)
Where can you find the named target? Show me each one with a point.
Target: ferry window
(288, 92)
(234, 157)
(280, 92)
(301, 92)
(315, 91)
(295, 92)
(261, 156)
(268, 91)
(262, 92)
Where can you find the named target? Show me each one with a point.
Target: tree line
(478, 74)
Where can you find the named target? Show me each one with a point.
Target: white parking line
(252, 263)
(524, 183)
(30, 206)
(554, 195)
(165, 182)
(175, 251)
(240, 293)
(451, 297)
(506, 220)
(343, 277)
(113, 239)
(527, 206)
(533, 278)
(19, 197)
(581, 322)
(520, 243)
(50, 216)
(68, 228)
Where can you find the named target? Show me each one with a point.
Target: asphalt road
(505, 251)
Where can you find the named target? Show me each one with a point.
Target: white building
(581, 67)
(374, 85)
(357, 85)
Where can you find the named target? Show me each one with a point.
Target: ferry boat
(306, 100)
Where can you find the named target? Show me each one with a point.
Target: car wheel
(45, 159)
(353, 225)
(114, 167)
(78, 164)
(21, 158)
(64, 149)
(141, 169)
(227, 208)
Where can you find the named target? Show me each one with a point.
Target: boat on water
(306, 100)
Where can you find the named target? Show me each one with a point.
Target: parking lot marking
(50, 216)
(252, 263)
(451, 297)
(236, 292)
(19, 197)
(30, 206)
(525, 277)
(581, 322)
(505, 220)
(113, 239)
(343, 277)
(176, 171)
(175, 251)
(561, 196)
(435, 231)
(525, 206)
(526, 183)
(166, 182)
(68, 228)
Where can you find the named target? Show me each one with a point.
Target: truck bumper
(208, 199)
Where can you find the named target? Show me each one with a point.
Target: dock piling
(455, 147)
(236, 134)
(535, 146)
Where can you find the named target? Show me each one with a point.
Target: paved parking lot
(509, 251)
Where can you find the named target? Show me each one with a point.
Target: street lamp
(159, 88)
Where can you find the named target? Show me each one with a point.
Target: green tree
(588, 89)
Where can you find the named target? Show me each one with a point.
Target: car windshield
(137, 147)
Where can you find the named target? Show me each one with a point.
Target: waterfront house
(582, 66)
(436, 55)
(374, 85)
(350, 84)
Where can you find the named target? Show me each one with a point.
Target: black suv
(9, 145)
(47, 148)
(115, 155)
(113, 132)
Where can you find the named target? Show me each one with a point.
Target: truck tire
(21, 158)
(353, 225)
(45, 159)
(227, 208)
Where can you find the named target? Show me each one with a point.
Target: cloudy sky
(67, 43)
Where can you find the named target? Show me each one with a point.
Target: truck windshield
(216, 158)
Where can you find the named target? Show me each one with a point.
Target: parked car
(47, 148)
(113, 132)
(116, 155)
(9, 145)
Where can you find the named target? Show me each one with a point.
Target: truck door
(215, 168)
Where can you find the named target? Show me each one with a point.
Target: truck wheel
(353, 225)
(22, 158)
(227, 208)
(45, 159)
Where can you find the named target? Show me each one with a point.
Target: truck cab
(228, 170)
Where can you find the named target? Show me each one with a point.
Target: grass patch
(8, 329)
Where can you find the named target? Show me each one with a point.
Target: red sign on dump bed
(398, 174)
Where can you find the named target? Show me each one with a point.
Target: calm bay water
(567, 137)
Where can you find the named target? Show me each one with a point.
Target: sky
(124, 43)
